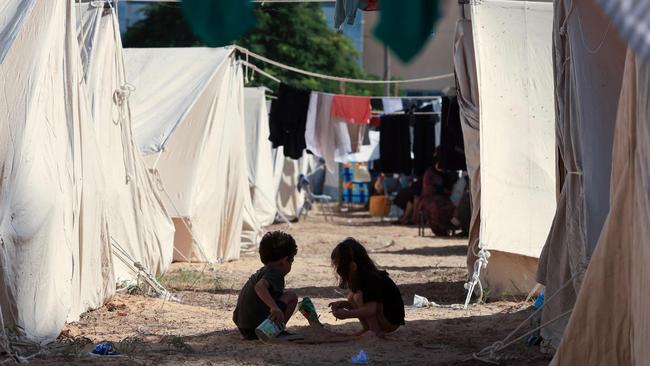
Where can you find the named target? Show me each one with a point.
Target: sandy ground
(198, 330)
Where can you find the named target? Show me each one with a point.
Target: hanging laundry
(452, 148)
(376, 104)
(311, 140)
(351, 109)
(392, 104)
(346, 10)
(372, 5)
(375, 121)
(395, 144)
(327, 139)
(424, 143)
(357, 133)
(406, 27)
(218, 23)
(288, 120)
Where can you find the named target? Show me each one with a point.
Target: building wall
(435, 59)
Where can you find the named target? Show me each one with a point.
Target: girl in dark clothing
(373, 297)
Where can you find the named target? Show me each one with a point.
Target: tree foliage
(295, 34)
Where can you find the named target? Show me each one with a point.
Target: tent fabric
(517, 149)
(55, 259)
(586, 98)
(203, 141)
(286, 172)
(467, 95)
(174, 82)
(13, 16)
(259, 153)
(137, 219)
(610, 321)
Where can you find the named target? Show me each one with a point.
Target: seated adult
(406, 200)
(434, 203)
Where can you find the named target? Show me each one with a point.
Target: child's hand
(337, 304)
(277, 315)
(341, 313)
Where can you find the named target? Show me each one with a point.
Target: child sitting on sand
(263, 296)
(373, 297)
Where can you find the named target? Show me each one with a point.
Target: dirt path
(199, 330)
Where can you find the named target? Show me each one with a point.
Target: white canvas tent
(55, 259)
(138, 222)
(259, 153)
(512, 49)
(586, 97)
(188, 114)
(610, 324)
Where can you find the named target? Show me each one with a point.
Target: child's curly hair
(276, 245)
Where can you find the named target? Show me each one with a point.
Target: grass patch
(191, 280)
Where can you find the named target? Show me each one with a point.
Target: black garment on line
(288, 120)
(424, 141)
(395, 144)
(452, 148)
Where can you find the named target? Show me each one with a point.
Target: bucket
(308, 310)
(268, 330)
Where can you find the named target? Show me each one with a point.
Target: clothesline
(405, 112)
(264, 73)
(337, 78)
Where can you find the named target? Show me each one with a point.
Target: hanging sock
(405, 27)
(218, 23)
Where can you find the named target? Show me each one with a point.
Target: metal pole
(387, 69)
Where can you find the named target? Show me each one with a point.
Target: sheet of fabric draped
(467, 90)
(55, 257)
(452, 148)
(395, 144)
(512, 42)
(288, 120)
(610, 322)
(586, 96)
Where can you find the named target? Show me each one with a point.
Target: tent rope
(248, 52)
(490, 351)
(140, 271)
(479, 264)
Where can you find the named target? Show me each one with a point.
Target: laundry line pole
(387, 70)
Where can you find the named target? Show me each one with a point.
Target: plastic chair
(311, 198)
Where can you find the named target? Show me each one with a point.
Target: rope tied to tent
(479, 264)
(120, 98)
(489, 353)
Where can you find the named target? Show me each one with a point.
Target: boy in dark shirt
(263, 296)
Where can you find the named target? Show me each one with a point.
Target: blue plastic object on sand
(360, 359)
(105, 349)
